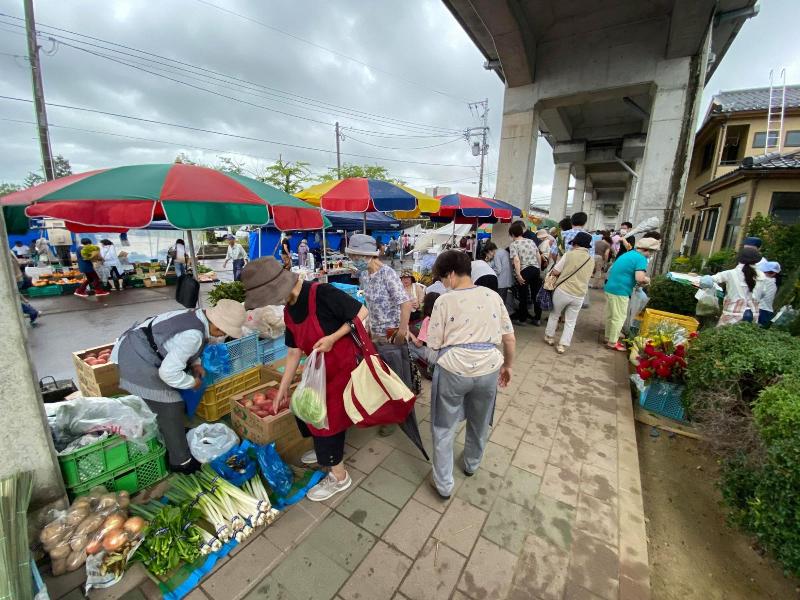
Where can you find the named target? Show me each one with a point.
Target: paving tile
(496, 458)
(599, 483)
(508, 524)
(305, 574)
(634, 590)
(594, 566)
(378, 576)
(598, 519)
(531, 458)
(411, 528)
(553, 521)
(489, 572)
(516, 416)
(235, 578)
(541, 571)
(368, 511)
(195, 594)
(340, 540)
(290, 527)
(604, 456)
(359, 436)
(520, 486)
(460, 526)
(430, 498)
(392, 488)
(408, 467)
(370, 455)
(561, 484)
(507, 435)
(630, 482)
(434, 574)
(481, 489)
(576, 592)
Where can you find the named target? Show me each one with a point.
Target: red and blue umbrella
(358, 194)
(462, 208)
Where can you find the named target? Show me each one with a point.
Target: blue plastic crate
(663, 398)
(243, 354)
(350, 290)
(271, 350)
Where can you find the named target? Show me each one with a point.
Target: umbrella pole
(365, 222)
(192, 256)
(475, 245)
(324, 247)
(260, 231)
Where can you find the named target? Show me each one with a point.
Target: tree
(228, 165)
(367, 171)
(288, 176)
(7, 188)
(61, 167)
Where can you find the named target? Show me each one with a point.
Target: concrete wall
(25, 443)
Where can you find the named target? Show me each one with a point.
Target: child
(765, 309)
(417, 343)
(88, 253)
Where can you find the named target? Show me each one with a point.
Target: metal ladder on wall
(775, 112)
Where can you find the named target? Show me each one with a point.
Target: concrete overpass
(613, 86)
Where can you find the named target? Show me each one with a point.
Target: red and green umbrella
(185, 196)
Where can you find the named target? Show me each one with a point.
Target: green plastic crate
(101, 458)
(45, 290)
(146, 471)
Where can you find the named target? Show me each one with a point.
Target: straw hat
(266, 283)
(408, 273)
(649, 244)
(228, 315)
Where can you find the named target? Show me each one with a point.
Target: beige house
(736, 172)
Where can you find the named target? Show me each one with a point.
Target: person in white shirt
(178, 255)
(237, 255)
(162, 356)
(766, 309)
(111, 262)
(482, 272)
(744, 288)
(501, 263)
(21, 250)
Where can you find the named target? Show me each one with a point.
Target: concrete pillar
(560, 193)
(25, 443)
(670, 134)
(578, 195)
(518, 138)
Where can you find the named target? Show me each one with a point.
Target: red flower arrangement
(663, 360)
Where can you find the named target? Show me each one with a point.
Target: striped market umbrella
(357, 194)
(462, 208)
(186, 196)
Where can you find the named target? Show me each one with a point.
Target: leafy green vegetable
(308, 406)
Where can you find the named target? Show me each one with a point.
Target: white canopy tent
(437, 237)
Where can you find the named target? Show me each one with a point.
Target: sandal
(561, 349)
(548, 340)
(619, 347)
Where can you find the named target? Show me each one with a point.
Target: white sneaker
(309, 458)
(328, 487)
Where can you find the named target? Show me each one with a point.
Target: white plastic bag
(267, 321)
(638, 302)
(309, 400)
(707, 302)
(207, 441)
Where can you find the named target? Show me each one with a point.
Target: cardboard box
(281, 428)
(97, 380)
(153, 281)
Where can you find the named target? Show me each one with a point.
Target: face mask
(360, 264)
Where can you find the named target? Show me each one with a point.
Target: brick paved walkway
(554, 512)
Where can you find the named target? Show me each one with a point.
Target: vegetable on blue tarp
(236, 465)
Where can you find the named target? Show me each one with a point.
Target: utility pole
(38, 93)
(480, 148)
(338, 153)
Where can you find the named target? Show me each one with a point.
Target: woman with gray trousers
(468, 326)
(162, 356)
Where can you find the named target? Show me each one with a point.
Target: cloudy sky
(274, 81)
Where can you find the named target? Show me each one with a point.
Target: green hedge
(671, 296)
(744, 383)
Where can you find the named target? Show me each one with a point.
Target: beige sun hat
(649, 244)
(229, 316)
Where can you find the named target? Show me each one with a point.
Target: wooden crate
(97, 380)
(280, 428)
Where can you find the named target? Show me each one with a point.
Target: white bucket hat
(229, 316)
(362, 245)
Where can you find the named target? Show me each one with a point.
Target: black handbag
(187, 291)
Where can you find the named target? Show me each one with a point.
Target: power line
(458, 139)
(325, 48)
(282, 96)
(233, 135)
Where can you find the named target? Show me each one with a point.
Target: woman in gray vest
(161, 356)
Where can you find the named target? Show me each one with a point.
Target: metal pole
(365, 222)
(475, 243)
(38, 94)
(324, 245)
(338, 154)
(192, 255)
(260, 231)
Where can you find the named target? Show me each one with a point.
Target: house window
(711, 224)
(792, 139)
(760, 137)
(707, 157)
(785, 207)
(734, 223)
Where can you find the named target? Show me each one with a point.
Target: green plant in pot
(231, 291)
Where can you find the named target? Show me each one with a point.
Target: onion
(94, 547)
(114, 540)
(114, 521)
(123, 499)
(134, 525)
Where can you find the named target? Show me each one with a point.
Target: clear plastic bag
(267, 321)
(639, 300)
(707, 302)
(308, 400)
(278, 474)
(235, 465)
(207, 441)
(128, 416)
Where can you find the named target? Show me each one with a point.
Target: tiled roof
(752, 99)
(772, 161)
